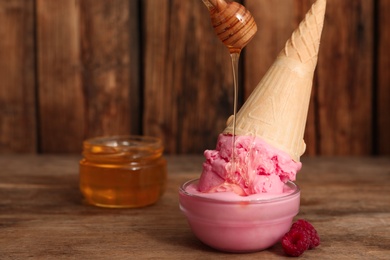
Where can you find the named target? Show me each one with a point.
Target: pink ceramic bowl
(242, 225)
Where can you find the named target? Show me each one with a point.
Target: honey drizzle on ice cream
(235, 56)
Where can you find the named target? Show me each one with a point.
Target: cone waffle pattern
(276, 110)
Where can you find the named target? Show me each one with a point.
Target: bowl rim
(296, 191)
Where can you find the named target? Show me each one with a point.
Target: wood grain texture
(17, 85)
(110, 57)
(74, 69)
(383, 78)
(88, 54)
(188, 83)
(60, 74)
(43, 216)
(345, 75)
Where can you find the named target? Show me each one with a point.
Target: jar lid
(131, 147)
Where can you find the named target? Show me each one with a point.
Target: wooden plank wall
(74, 69)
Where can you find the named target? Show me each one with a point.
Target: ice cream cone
(276, 110)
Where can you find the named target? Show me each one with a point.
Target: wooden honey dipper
(232, 22)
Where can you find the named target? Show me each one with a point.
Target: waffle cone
(276, 110)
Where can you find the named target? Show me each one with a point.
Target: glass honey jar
(122, 171)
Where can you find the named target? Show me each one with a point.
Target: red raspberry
(302, 236)
(295, 242)
(309, 230)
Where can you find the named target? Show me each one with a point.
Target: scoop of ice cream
(258, 167)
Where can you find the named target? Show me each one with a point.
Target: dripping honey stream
(235, 27)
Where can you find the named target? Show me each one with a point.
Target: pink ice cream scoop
(259, 167)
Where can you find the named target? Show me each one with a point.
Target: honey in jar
(122, 171)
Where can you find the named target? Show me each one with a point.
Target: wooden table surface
(42, 215)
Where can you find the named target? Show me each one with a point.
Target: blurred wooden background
(73, 69)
